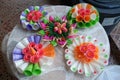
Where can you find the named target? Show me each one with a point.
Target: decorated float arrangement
(30, 54)
(57, 31)
(85, 15)
(30, 17)
(86, 56)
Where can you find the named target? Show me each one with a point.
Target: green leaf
(69, 15)
(41, 32)
(45, 21)
(69, 42)
(54, 43)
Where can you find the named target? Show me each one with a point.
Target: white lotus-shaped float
(31, 55)
(86, 55)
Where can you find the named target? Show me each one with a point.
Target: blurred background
(109, 17)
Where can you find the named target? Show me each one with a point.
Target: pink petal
(51, 18)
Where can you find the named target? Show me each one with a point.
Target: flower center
(60, 27)
(83, 14)
(33, 52)
(34, 16)
(86, 52)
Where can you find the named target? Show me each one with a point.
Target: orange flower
(86, 52)
(79, 18)
(87, 18)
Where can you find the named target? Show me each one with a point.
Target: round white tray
(59, 69)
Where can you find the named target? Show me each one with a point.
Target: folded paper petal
(37, 39)
(17, 51)
(28, 70)
(31, 39)
(17, 57)
(19, 62)
(36, 69)
(25, 42)
(20, 45)
(22, 67)
(36, 26)
(49, 51)
(51, 18)
(31, 8)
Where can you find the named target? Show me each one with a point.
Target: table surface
(8, 11)
(59, 66)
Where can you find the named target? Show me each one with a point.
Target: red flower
(91, 47)
(90, 54)
(83, 14)
(27, 57)
(83, 48)
(34, 16)
(34, 59)
(33, 52)
(38, 46)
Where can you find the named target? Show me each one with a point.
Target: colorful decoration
(85, 15)
(29, 55)
(86, 55)
(31, 16)
(57, 30)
